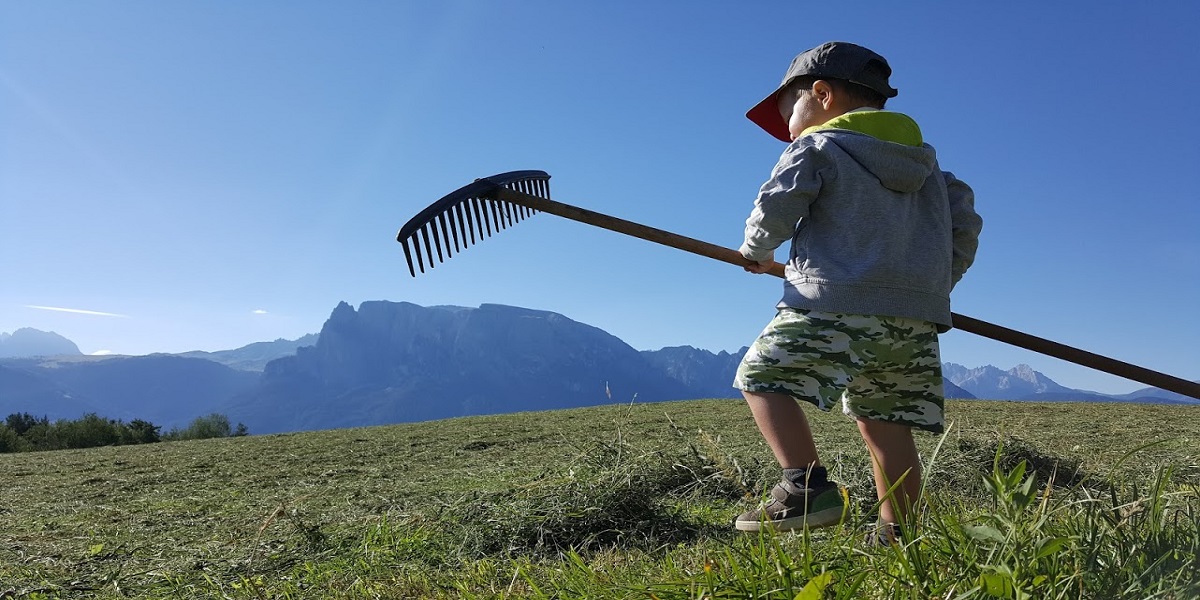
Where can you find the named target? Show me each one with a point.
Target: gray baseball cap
(835, 60)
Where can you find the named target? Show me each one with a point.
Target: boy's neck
(854, 110)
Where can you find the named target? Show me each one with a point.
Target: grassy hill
(616, 501)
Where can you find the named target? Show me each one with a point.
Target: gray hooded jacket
(876, 227)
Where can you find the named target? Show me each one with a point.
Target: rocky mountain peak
(991, 383)
(28, 342)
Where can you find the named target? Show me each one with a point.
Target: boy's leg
(805, 497)
(785, 428)
(796, 356)
(898, 389)
(893, 455)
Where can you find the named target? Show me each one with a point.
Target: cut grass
(615, 501)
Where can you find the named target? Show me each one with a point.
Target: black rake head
(471, 212)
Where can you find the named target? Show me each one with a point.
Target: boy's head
(822, 83)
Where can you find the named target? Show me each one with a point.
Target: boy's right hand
(759, 267)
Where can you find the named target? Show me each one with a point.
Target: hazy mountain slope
(163, 389)
(709, 375)
(25, 389)
(1144, 394)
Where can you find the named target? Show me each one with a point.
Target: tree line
(23, 432)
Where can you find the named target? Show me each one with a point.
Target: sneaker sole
(824, 518)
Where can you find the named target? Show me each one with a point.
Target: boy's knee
(877, 429)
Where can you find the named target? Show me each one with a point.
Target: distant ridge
(992, 383)
(254, 357)
(1022, 382)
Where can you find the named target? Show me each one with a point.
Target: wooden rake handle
(963, 322)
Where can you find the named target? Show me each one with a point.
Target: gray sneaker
(794, 507)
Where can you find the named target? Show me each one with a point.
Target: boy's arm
(965, 224)
(783, 200)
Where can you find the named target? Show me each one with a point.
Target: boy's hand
(760, 267)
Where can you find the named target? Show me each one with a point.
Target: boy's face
(802, 109)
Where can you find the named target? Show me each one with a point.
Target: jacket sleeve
(965, 224)
(784, 199)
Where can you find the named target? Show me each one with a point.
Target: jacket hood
(887, 144)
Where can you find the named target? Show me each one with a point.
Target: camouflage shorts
(881, 368)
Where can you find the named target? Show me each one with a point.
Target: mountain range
(390, 362)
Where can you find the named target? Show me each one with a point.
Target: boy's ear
(823, 92)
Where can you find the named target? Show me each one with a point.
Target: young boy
(879, 235)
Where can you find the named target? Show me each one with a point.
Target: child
(880, 234)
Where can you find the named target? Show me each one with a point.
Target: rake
(478, 210)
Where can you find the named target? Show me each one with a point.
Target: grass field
(622, 501)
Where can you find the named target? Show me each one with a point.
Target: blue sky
(211, 174)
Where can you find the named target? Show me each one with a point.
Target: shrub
(9, 440)
(215, 425)
(23, 422)
(140, 432)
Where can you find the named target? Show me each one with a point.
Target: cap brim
(765, 114)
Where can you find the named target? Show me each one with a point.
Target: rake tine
(481, 216)
(428, 249)
(457, 227)
(492, 206)
(417, 251)
(408, 257)
(485, 231)
(516, 208)
(445, 234)
(508, 212)
(531, 188)
(494, 210)
(433, 233)
(465, 207)
(522, 211)
(497, 214)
